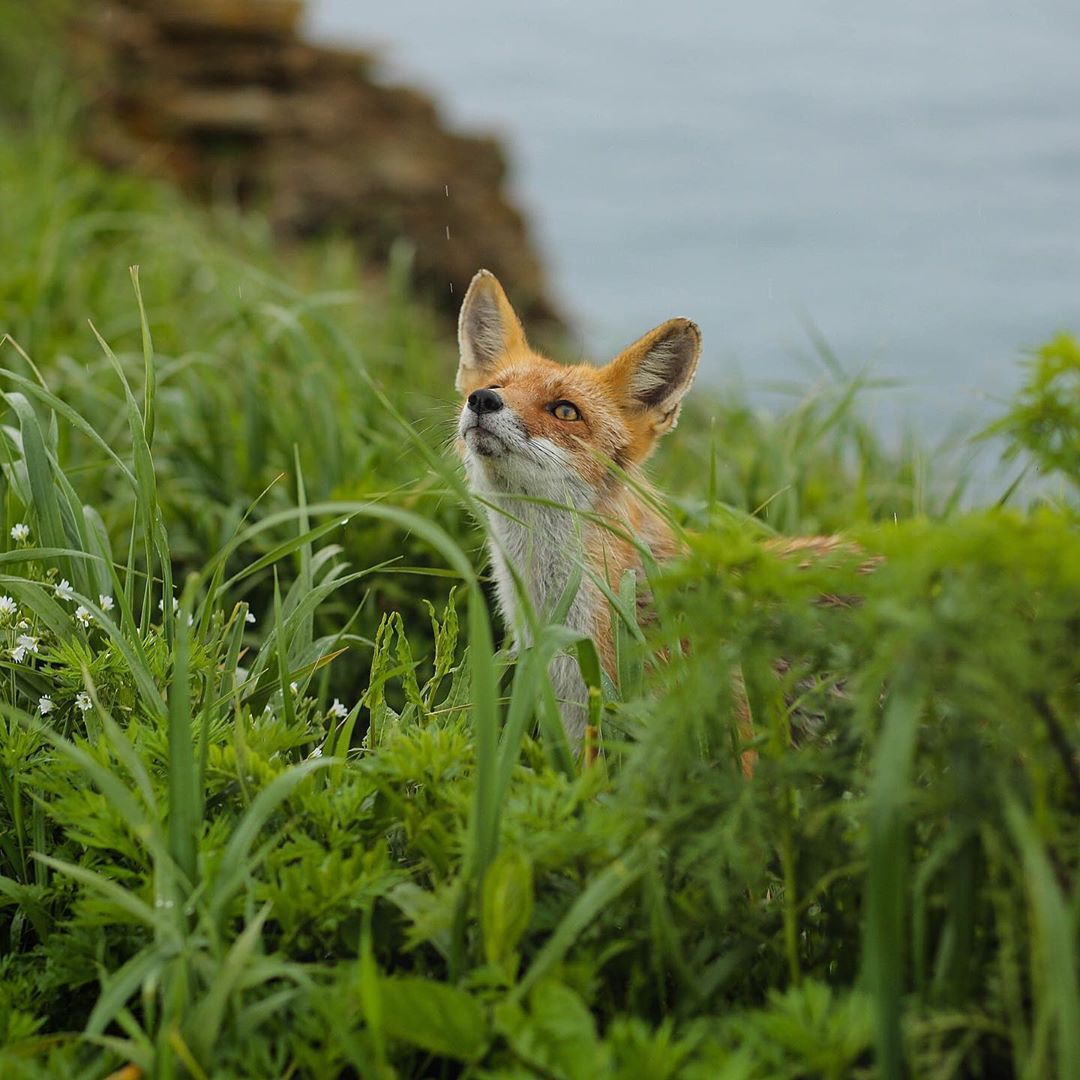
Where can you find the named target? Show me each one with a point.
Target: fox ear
(488, 328)
(654, 373)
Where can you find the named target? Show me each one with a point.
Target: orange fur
(521, 442)
(623, 409)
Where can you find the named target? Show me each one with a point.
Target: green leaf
(434, 1016)
(117, 989)
(138, 909)
(559, 1037)
(23, 896)
(74, 418)
(1055, 954)
(506, 905)
(209, 1015)
(185, 795)
(486, 722)
(605, 886)
(235, 862)
(886, 879)
(40, 472)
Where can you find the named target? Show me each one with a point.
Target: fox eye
(565, 410)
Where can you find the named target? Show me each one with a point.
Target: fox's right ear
(654, 373)
(488, 328)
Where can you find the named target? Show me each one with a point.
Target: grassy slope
(206, 871)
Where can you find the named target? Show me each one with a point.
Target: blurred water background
(904, 177)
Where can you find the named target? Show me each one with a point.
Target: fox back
(553, 451)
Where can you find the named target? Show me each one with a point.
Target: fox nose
(482, 401)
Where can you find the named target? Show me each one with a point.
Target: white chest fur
(544, 547)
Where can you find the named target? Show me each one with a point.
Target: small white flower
(317, 752)
(22, 624)
(45, 705)
(83, 702)
(63, 590)
(24, 644)
(338, 710)
(83, 616)
(20, 532)
(175, 609)
(105, 602)
(249, 617)
(294, 688)
(8, 607)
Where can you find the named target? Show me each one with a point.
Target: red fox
(549, 448)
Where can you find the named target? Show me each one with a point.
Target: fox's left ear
(654, 373)
(488, 329)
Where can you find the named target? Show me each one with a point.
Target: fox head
(534, 427)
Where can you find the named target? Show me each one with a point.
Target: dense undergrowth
(272, 803)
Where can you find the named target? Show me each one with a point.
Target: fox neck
(536, 549)
(542, 545)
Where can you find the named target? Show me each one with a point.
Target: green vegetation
(346, 839)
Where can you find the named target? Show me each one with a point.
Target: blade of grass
(887, 876)
(1054, 954)
(185, 809)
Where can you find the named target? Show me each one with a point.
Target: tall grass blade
(886, 878)
(1055, 974)
(185, 803)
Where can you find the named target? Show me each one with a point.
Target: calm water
(905, 176)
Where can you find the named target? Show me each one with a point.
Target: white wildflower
(105, 602)
(24, 644)
(249, 617)
(83, 702)
(83, 616)
(22, 624)
(338, 710)
(20, 532)
(63, 590)
(294, 688)
(8, 607)
(45, 705)
(317, 752)
(175, 609)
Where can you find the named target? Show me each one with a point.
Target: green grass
(346, 839)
